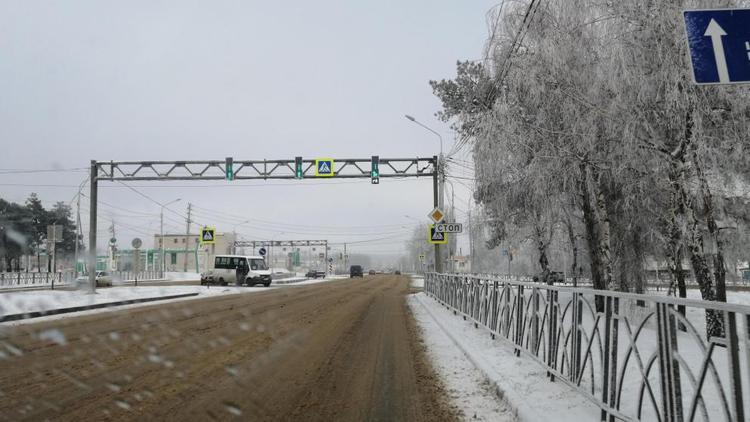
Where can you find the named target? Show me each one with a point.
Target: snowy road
(341, 350)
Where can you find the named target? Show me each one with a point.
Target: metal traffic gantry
(230, 169)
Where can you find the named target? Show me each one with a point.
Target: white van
(224, 271)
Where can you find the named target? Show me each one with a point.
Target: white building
(185, 253)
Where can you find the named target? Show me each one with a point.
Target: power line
(31, 171)
(291, 225)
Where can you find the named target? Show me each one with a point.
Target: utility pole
(78, 233)
(435, 200)
(162, 264)
(325, 263)
(346, 258)
(452, 245)
(54, 249)
(112, 247)
(469, 228)
(94, 185)
(187, 237)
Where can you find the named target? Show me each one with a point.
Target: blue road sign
(262, 251)
(719, 42)
(324, 167)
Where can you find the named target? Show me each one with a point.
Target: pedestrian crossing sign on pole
(324, 167)
(437, 238)
(208, 235)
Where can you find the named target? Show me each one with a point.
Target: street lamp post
(161, 236)
(441, 189)
(234, 236)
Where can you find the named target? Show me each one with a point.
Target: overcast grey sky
(170, 80)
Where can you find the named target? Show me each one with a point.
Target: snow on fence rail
(635, 356)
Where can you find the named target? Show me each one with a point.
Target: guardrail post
(669, 367)
(575, 343)
(733, 353)
(535, 321)
(518, 338)
(506, 310)
(609, 368)
(494, 311)
(552, 332)
(476, 299)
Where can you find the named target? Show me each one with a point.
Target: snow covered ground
(483, 377)
(740, 298)
(180, 276)
(45, 300)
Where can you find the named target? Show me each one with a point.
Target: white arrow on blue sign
(262, 251)
(719, 43)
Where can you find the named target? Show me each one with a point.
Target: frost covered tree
(587, 109)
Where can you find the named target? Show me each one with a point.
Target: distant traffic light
(229, 169)
(298, 171)
(375, 170)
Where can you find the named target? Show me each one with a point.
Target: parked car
(355, 271)
(371, 272)
(554, 277)
(103, 279)
(315, 274)
(397, 272)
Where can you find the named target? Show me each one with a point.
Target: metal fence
(20, 280)
(31, 279)
(637, 357)
(136, 275)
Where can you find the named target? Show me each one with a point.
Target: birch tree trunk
(596, 222)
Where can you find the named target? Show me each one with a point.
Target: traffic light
(229, 169)
(298, 171)
(375, 170)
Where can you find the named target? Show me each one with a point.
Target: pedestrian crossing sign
(437, 238)
(208, 235)
(324, 167)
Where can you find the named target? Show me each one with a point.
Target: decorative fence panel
(10, 280)
(637, 357)
(136, 275)
(18, 280)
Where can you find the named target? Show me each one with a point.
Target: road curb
(39, 314)
(525, 411)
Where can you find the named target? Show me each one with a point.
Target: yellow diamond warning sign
(436, 215)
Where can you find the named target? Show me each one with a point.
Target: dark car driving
(355, 271)
(315, 274)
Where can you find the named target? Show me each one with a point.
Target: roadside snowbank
(471, 357)
(180, 276)
(46, 300)
(417, 281)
